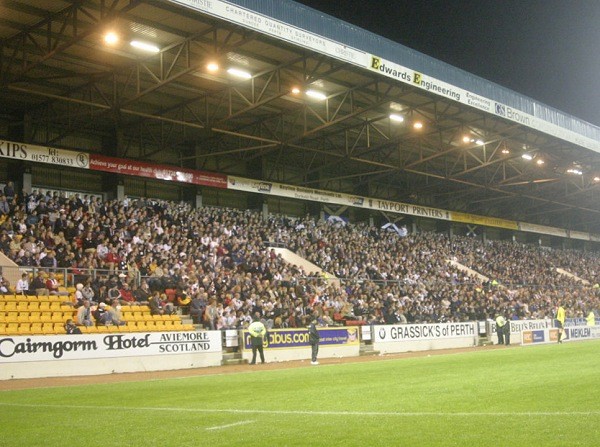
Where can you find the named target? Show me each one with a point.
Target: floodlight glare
(527, 156)
(540, 162)
(111, 38)
(418, 125)
(295, 90)
(396, 117)
(316, 95)
(144, 46)
(239, 73)
(212, 66)
(466, 139)
(479, 142)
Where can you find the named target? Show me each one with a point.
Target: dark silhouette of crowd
(216, 265)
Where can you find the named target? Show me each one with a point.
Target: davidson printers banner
(298, 338)
(93, 346)
(338, 198)
(414, 332)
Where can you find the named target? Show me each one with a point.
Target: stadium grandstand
(196, 162)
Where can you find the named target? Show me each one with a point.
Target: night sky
(545, 49)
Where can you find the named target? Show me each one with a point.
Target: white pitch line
(221, 427)
(309, 412)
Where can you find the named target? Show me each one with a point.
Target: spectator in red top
(52, 285)
(127, 294)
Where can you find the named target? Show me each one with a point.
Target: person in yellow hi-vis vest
(500, 323)
(257, 333)
(560, 322)
(591, 319)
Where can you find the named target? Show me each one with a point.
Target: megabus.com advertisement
(298, 338)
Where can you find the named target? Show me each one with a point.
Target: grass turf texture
(534, 396)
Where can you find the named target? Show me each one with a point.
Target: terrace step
(233, 358)
(366, 350)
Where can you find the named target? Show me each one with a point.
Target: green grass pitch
(523, 396)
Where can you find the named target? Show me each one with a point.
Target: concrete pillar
(265, 211)
(198, 200)
(120, 192)
(27, 183)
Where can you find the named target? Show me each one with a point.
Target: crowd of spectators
(215, 264)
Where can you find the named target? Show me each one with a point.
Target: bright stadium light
(397, 118)
(239, 73)
(540, 162)
(111, 38)
(528, 157)
(418, 125)
(479, 142)
(144, 46)
(316, 95)
(212, 67)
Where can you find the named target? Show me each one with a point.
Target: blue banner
(298, 338)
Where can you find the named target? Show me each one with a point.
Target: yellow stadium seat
(57, 317)
(188, 327)
(11, 316)
(47, 328)
(33, 306)
(150, 326)
(36, 329)
(35, 317)
(55, 305)
(142, 326)
(23, 317)
(102, 329)
(138, 316)
(87, 329)
(22, 306)
(128, 308)
(43, 298)
(144, 308)
(10, 305)
(46, 317)
(3, 327)
(24, 328)
(12, 328)
(45, 306)
(160, 326)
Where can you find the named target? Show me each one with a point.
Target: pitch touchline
(308, 412)
(220, 427)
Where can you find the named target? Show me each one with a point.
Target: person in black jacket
(313, 339)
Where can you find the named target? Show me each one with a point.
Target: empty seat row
(54, 328)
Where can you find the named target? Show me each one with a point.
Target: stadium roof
(303, 107)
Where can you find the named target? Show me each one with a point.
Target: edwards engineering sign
(77, 347)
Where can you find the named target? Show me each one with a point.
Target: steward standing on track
(257, 332)
(591, 319)
(560, 322)
(500, 322)
(313, 339)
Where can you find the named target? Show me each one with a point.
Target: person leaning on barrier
(257, 333)
(500, 323)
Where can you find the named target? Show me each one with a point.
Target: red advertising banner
(156, 171)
